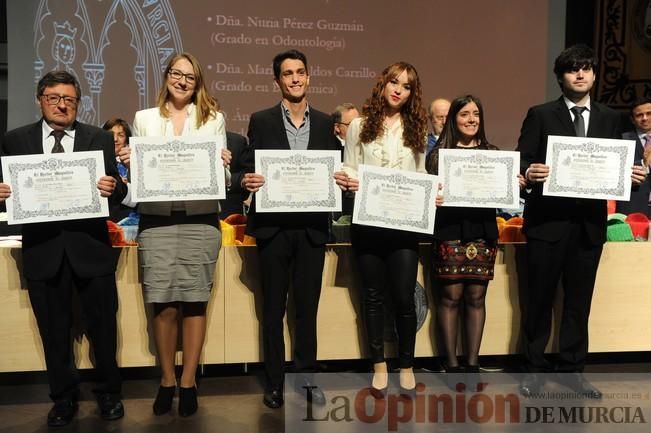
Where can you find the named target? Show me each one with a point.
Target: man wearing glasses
(342, 116)
(58, 256)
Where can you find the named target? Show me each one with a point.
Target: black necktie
(579, 124)
(58, 135)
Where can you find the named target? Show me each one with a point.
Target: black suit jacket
(267, 131)
(85, 242)
(548, 218)
(639, 193)
(237, 144)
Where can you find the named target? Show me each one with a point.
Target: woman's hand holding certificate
(396, 199)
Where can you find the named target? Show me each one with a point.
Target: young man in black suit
(60, 255)
(641, 133)
(565, 236)
(290, 245)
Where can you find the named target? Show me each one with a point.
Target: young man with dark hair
(291, 246)
(565, 236)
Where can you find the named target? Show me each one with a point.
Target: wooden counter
(620, 318)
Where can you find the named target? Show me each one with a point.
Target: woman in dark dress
(465, 242)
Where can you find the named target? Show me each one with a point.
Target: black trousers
(52, 305)
(388, 262)
(574, 261)
(290, 254)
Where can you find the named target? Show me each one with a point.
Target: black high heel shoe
(163, 401)
(187, 401)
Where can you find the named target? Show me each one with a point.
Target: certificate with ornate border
(298, 181)
(395, 199)
(480, 178)
(54, 187)
(586, 167)
(177, 168)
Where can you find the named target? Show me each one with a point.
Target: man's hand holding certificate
(298, 181)
(585, 167)
(395, 199)
(54, 187)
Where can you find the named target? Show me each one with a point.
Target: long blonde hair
(206, 105)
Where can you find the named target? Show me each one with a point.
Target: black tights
(474, 295)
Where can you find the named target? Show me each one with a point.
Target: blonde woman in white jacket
(179, 241)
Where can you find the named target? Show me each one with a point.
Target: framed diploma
(586, 167)
(480, 178)
(54, 187)
(395, 199)
(177, 168)
(298, 181)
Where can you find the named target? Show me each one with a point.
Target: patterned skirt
(455, 260)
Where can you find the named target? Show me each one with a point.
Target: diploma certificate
(298, 181)
(586, 167)
(54, 187)
(480, 178)
(177, 168)
(395, 199)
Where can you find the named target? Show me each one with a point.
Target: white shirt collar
(571, 104)
(47, 130)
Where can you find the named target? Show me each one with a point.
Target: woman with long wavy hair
(391, 133)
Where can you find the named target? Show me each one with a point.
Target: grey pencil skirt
(178, 262)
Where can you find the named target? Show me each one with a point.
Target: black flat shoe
(579, 384)
(472, 369)
(164, 397)
(110, 406)
(454, 378)
(408, 392)
(188, 401)
(530, 385)
(379, 393)
(312, 392)
(273, 398)
(473, 378)
(62, 413)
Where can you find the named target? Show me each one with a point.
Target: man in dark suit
(237, 144)
(565, 236)
(58, 256)
(290, 245)
(641, 117)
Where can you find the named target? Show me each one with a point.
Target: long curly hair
(206, 106)
(412, 113)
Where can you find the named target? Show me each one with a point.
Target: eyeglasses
(176, 75)
(53, 99)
